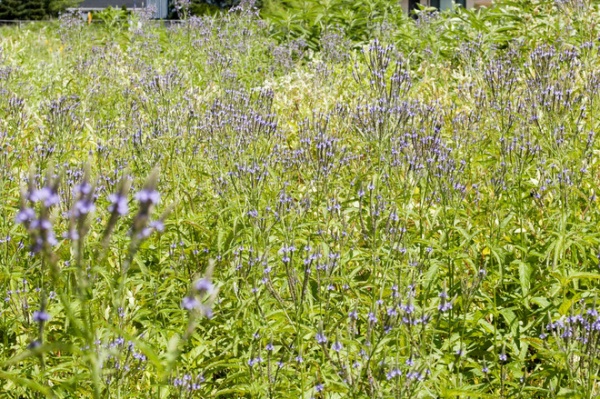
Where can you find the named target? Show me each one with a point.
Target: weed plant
(203, 211)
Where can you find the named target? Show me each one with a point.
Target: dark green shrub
(33, 10)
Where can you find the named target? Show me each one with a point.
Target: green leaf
(466, 393)
(524, 276)
(583, 275)
(24, 382)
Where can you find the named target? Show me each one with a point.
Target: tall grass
(204, 211)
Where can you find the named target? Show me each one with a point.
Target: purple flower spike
(46, 196)
(148, 196)
(39, 316)
(118, 204)
(321, 338)
(84, 206)
(84, 188)
(190, 303)
(42, 224)
(158, 225)
(203, 286)
(207, 311)
(25, 215)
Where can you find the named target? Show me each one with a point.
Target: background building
(161, 6)
(444, 4)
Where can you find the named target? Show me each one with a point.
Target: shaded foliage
(33, 9)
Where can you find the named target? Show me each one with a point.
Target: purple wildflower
(321, 338)
(46, 196)
(203, 285)
(393, 373)
(25, 215)
(158, 225)
(337, 346)
(84, 206)
(40, 316)
(148, 196)
(118, 204)
(190, 303)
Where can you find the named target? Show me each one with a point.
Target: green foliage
(408, 208)
(200, 8)
(308, 19)
(112, 18)
(9, 9)
(55, 7)
(33, 9)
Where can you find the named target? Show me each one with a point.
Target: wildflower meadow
(233, 206)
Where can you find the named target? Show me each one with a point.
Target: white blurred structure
(161, 7)
(444, 4)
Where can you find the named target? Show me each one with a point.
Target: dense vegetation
(217, 209)
(33, 9)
